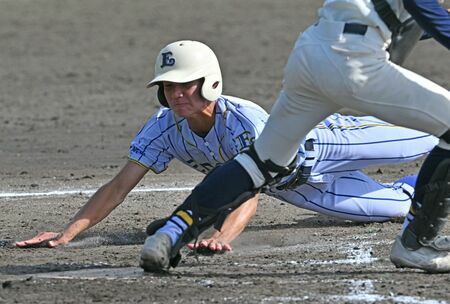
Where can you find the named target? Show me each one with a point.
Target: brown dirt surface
(73, 76)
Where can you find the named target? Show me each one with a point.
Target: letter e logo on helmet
(167, 60)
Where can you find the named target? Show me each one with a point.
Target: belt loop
(355, 28)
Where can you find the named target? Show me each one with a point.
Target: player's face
(184, 98)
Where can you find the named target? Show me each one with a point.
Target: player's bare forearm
(99, 206)
(105, 200)
(236, 221)
(94, 211)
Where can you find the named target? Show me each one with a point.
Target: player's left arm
(432, 17)
(232, 227)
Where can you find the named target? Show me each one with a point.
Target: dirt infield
(72, 97)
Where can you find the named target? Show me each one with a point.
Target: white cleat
(155, 255)
(425, 258)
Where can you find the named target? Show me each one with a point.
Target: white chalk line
(84, 192)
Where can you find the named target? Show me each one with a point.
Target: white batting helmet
(184, 61)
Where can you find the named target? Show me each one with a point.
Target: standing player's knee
(270, 172)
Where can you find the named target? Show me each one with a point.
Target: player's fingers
(212, 246)
(226, 247)
(54, 243)
(30, 242)
(204, 244)
(199, 245)
(219, 246)
(193, 246)
(39, 239)
(21, 244)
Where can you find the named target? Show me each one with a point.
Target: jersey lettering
(245, 139)
(203, 167)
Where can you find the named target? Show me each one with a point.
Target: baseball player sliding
(339, 61)
(202, 128)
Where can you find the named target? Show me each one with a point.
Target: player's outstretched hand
(43, 239)
(210, 246)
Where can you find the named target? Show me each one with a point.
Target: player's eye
(189, 84)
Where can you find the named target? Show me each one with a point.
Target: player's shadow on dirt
(49, 267)
(318, 220)
(96, 239)
(87, 240)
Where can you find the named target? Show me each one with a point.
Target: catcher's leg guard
(431, 203)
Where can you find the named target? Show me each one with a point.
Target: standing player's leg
(420, 104)
(420, 245)
(371, 84)
(358, 75)
(367, 82)
(417, 247)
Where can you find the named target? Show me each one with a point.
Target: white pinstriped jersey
(164, 137)
(343, 146)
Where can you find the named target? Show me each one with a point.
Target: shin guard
(430, 207)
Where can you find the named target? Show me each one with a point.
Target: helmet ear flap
(212, 88)
(161, 97)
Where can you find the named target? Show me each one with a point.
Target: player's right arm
(100, 205)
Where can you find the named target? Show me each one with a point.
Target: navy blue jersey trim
(155, 138)
(174, 151)
(157, 157)
(237, 118)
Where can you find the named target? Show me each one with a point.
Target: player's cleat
(441, 243)
(155, 255)
(426, 257)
